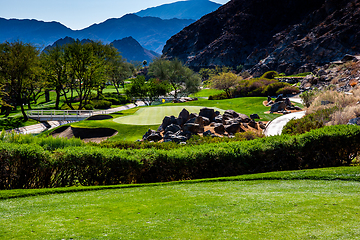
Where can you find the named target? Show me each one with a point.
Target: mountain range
(288, 36)
(128, 47)
(150, 32)
(190, 9)
(150, 27)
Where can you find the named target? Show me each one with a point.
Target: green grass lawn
(226, 208)
(206, 92)
(155, 115)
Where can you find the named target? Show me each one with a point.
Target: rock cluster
(341, 75)
(281, 105)
(180, 129)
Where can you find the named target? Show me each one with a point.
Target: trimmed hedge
(326, 147)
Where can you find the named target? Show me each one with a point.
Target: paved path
(40, 127)
(275, 126)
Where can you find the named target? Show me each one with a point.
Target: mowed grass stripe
(155, 115)
(293, 209)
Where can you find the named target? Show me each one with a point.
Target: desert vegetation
(326, 108)
(236, 86)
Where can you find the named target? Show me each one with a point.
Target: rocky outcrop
(286, 36)
(186, 125)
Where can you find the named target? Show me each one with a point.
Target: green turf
(206, 92)
(293, 209)
(155, 115)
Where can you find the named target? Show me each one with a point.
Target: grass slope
(262, 209)
(155, 115)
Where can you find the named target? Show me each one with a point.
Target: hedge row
(29, 166)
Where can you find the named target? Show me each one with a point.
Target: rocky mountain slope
(129, 48)
(190, 9)
(286, 36)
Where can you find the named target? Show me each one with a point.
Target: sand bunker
(85, 134)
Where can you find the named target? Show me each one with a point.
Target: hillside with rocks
(342, 76)
(286, 36)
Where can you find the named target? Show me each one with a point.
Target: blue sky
(76, 14)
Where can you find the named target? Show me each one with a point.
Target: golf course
(308, 204)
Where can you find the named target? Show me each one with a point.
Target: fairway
(155, 115)
(296, 209)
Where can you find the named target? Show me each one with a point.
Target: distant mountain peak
(190, 9)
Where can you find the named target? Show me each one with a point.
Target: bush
(253, 87)
(24, 166)
(287, 90)
(101, 104)
(312, 121)
(270, 75)
(271, 89)
(11, 122)
(89, 107)
(219, 96)
(29, 166)
(116, 99)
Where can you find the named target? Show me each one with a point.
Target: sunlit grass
(272, 209)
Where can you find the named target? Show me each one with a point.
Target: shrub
(308, 96)
(270, 75)
(219, 96)
(101, 104)
(29, 166)
(11, 122)
(314, 120)
(24, 166)
(271, 89)
(288, 90)
(89, 107)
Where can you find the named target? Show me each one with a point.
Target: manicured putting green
(155, 115)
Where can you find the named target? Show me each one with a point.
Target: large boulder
(183, 116)
(254, 116)
(218, 119)
(208, 113)
(243, 118)
(206, 121)
(278, 106)
(231, 113)
(233, 128)
(219, 128)
(198, 120)
(173, 128)
(152, 135)
(193, 128)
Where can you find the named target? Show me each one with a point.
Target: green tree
(17, 63)
(148, 91)
(53, 62)
(225, 81)
(119, 71)
(182, 79)
(86, 70)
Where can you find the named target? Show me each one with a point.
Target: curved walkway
(275, 126)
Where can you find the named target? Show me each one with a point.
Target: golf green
(155, 115)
